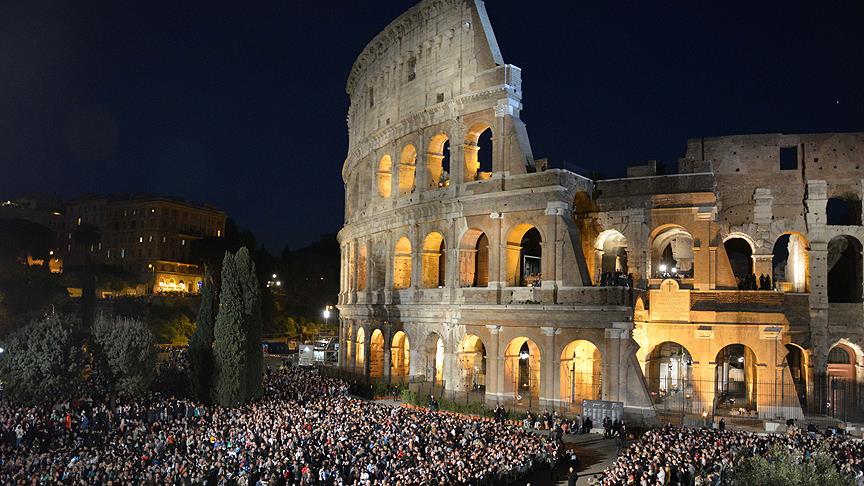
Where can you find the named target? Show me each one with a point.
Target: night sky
(243, 104)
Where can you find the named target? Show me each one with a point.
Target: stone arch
(610, 248)
(438, 161)
(671, 252)
(478, 140)
(790, 266)
(472, 362)
(735, 378)
(360, 350)
(407, 169)
(669, 373)
(400, 355)
(376, 354)
(474, 259)
(524, 256)
(402, 264)
(842, 388)
(581, 373)
(844, 270)
(739, 252)
(434, 261)
(434, 355)
(384, 177)
(522, 362)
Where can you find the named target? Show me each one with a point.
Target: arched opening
(796, 361)
(472, 362)
(844, 270)
(400, 356)
(735, 379)
(349, 345)
(407, 168)
(438, 161)
(843, 211)
(611, 251)
(580, 375)
(841, 381)
(376, 354)
(402, 264)
(435, 359)
(360, 352)
(385, 177)
(740, 255)
(789, 263)
(474, 259)
(434, 261)
(669, 371)
(524, 253)
(361, 267)
(522, 371)
(672, 254)
(478, 153)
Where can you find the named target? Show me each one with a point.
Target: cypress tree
(201, 342)
(230, 349)
(253, 324)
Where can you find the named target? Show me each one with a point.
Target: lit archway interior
(740, 256)
(672, 253)
(581, 377)
(349, 344)
(735, 378)
(522, 371)
(478, 152)
(360, 354)
(402, 264)
(400, 355)
(611, 248)
(840, 386)
(434, 261)
(385, 177)
(376, 353)
(407, 169)
(790, 263)
(524, 256)
(438, 161)
(669, 372)
(474, 259)
(844, 270)
(797, 362)
(434, 351)
(472, 362)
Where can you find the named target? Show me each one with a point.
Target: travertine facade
(492, 271)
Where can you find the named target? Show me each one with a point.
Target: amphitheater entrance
(581, 377)
(360, 354)
(841, 382)
(434, 353)
(522, 372)
(669, 372)
(376, 354)
(472, 363)
(796, 361)
(735, 381)
(400, 357)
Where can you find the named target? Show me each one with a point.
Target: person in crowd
(688, 456)
(307, 429)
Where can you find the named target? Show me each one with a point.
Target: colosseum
(732, 286)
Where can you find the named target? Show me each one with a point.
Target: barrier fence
(678, 401)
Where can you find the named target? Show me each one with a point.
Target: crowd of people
(616, 279)
(695, 456)
(749, 282)
(306, 430)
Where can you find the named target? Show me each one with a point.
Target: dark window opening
(439, 98)
(371, 97)
(444, 180)
(843, 211)
(484, 154)
(788, 158)
(412, 69)
(844, 270)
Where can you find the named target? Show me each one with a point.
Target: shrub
(127, 347)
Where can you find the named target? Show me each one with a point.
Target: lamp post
(326, 314)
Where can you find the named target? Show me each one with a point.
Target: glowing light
(662, 267)
(326, 313)
(741, 359)
(674, 270)
(524, 355)
(274, 275)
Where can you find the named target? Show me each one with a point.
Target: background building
(475, 268)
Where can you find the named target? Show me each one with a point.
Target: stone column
(387, 331)
(494, 365)
(497, 253)
(762, 265)
(613, 362)
(549, 364)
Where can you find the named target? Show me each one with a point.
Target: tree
(128, 349)
(779, 467)
(253, 325)
(43, 361)
(230, 348)
(201, 343)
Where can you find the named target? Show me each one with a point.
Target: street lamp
(327, 314)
